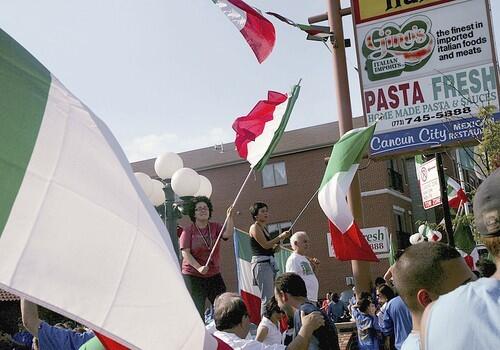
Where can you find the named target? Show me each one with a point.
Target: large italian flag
(258, 133)
(77, 233)
(257, 30)
(250, 293)
(347, 239)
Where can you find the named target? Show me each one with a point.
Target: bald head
(427, 270)
(300, 242)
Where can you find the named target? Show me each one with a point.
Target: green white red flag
(77, 233)
(347, 239)
(250, 293)
(258, 133)
(257, 30)
(317, 32)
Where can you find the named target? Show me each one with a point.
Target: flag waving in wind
(258, 133)
(347, 239)
(456, 194)
(257, 30)
(77, 233)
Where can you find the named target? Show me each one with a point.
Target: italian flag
(347, 239)
(258, 133)
(456, 194)
(317, 32)
(257, 30)
(77, 233)
(251, 294)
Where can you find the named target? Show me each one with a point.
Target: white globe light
(185, 182)
(205, 187)
(145, 182)
(158, 196)
(167, 164)
(416, 238)
(421, 229)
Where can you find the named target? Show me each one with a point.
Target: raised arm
(29, 313)
(228, 232)
(310, 323)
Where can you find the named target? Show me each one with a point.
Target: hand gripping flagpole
(227, 217)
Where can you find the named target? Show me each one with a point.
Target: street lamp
(174, 180)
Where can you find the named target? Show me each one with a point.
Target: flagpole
(303, 209)
(360, 269)
(227, 216)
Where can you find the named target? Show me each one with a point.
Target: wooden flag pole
(227, 216)
(304, 209)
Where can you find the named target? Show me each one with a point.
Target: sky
(173, 75)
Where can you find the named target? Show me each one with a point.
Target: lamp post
(174, 180)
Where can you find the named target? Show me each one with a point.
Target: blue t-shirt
(367, 330)
(23, 337)
(325, 337)
(469, 316)
(336, 310)
(397, 321)
(53, 338)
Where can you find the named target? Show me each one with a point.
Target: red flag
(257, 31)
(110, 344)
(351, 245)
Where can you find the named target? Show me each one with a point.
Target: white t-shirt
(237, 343)
(412, 342)
(301, 266)
(466, 318)
(273, 331)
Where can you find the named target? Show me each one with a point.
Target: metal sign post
(444, 201)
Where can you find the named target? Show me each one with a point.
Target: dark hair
(292, 284)
(486, 267)
(363, 304)
(229, 310)
(365, 295)
(270, 307)
(254, 209)
(191, 207)
(379, 281)
(420, 268)
(334, 297)
(386, 291)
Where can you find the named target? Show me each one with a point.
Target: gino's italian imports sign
(425, 66)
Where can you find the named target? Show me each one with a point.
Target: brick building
(289, 179)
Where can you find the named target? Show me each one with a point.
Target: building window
(403, 237)
(274, 175)
(277, 228)
(394, 174)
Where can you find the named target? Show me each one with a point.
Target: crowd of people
(429, 299)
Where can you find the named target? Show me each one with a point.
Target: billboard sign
(377, 238)
(426, 69)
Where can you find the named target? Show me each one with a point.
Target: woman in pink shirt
(196, 241)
